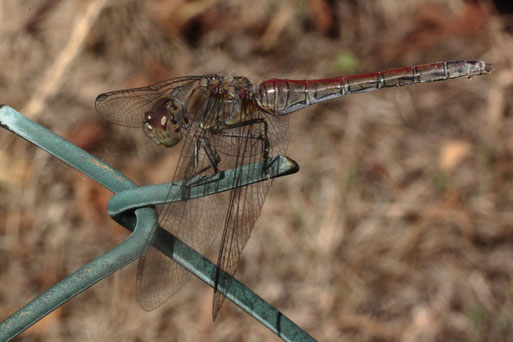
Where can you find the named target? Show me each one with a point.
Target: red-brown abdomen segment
(286, 96)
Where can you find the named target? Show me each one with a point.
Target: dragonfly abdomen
(282, 96)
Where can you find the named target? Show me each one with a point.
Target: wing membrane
(198, 221)
(127, 107)
(223, 136)
(245, 203)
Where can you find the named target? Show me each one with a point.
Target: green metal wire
(133, 207)
(122, 203)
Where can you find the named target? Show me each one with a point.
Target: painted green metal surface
(132, 206)
(144, 196)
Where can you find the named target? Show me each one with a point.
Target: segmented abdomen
(285, 96)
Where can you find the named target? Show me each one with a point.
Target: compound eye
(156, 120)
(159, 124)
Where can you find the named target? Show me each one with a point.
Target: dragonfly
(226, 123)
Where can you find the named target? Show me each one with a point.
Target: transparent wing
(127, 107)
(158, 277)
(197, 221)
(245, 203)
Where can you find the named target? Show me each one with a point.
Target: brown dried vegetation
(396, 228)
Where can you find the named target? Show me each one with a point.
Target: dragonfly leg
(263, 137)
(212, 155)
(214, 160)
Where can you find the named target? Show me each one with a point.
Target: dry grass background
(398, 227)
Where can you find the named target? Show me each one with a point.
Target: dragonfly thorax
(161, 124)
(216, 101)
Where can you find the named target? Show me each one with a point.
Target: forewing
(196, 222)
(245, 203)
(127, 107)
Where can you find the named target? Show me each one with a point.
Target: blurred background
(398, 227)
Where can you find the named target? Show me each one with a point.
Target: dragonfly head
(160, 124)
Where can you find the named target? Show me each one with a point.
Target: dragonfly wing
(196, 222)
(245, 203)
(127, 107)
(242, 216)
(159, 277)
